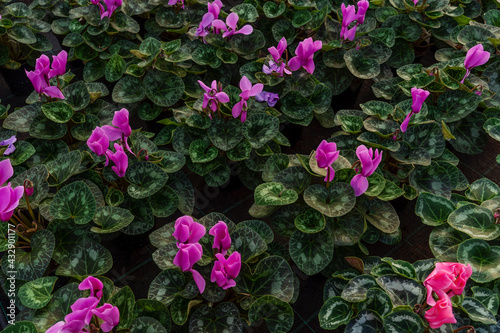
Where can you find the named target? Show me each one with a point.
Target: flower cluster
(211, 20)
(327, 153)
(446, 280)
(44, 72)
(277, 65)
(368, 166)
(9, 196)
(85, 308)
(111, 6)
(247, 91)
(225, 270)
(418, 96)
(188, 233)
(10, 145)
(476, 56)
(100, 138)
(349, 15)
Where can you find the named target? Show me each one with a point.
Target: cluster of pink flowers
(85, 308)
(111, 6)
(100, 138)
(349, 15)
(211, 20)
(10, 145)
(44, 72)
(188, 234)
(476, 56)
(446, 280)
(304, 57)
(247, 90)
(418, 96)
(9, 196)
(327, 153)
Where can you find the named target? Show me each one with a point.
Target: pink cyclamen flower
(415, 2)
(98, 141)
(40, 83)
(28, 188)
(269, 97)
(187, 230)
(276, 53)
(226, 270)
(326, 154)
(369, 164)
(213, 95)
(304, 55)
(447, 279)
(174, 2)
(222, 240)
(10, 145)
(187, 256)
(119, 157)
(9, 196)
(277, 64)
(418, 96)
(110, 314)
(230, 26)
(362, 9)
(120, 129)
(247, 91)
(206, 22)
(42, 65)
(441, 313)
(58, 64)
(476, 56)
(349, 15)
(111, 6)
(95, 286)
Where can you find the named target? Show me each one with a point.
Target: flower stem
(470, 329)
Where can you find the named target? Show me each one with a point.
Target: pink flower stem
(328, 177)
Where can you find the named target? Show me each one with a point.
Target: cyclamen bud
(28, 188)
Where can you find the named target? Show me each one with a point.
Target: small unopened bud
(28, 188)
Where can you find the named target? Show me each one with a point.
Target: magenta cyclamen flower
(269, 97)
(305, 53)
(476, 56)
(10, 145)
(213, 95)
(187, 256)
(247, 91)
(418, 96)
(58, 64)
(415, 2)
(369, 164)
(326, 154)
(349, 15)
(120, 158)
(187, 230)
(120, 129)
(40, 76)
(230, 26)
(277, 64)
(83, 310)
(98, 141)
(111, 6)
(10, 196)
(226, 270)
(222, 240)
(448, 278)
(206, 21)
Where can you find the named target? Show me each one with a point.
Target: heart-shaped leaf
(444, 241)
(36, 294)
(274, 194)
(74, 201)
(86, 258)
(476, 221)
(259, 129)
(311, 221)
(357, 288)
(311, 252)
(433, 209)
(381, 214)
(482, 190)
(129, 89)
(272, 276)
(433, 179)
(146, 324)
(200, 151)
(166, 286)
(365, 321)
(334, 312)
(377, 301)
(335, 201)
(484, 259)
(248, 243)
(164, 89)
(477, 311)
(404, 321)
(146, 179)
(225, 135)
(111, 219)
